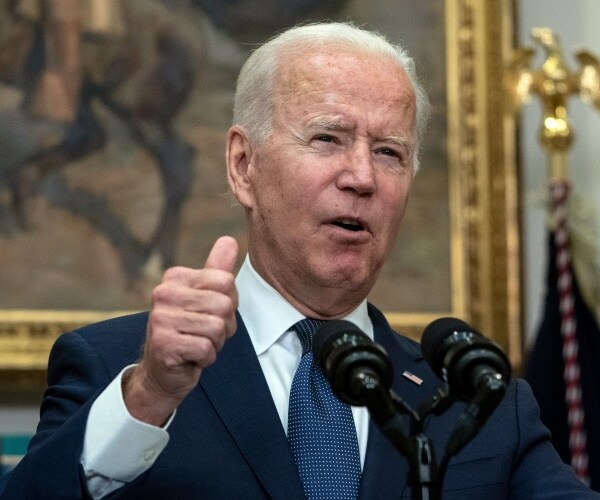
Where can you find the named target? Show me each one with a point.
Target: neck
(310, 299)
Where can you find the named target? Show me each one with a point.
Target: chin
(349, 270)
(351, 278)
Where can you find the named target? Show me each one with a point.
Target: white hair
(254, 97)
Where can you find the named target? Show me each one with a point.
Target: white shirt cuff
(116, 445)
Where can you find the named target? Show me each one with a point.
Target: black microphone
(360, 374)
(476, 370)
(351, 361)
(464, 356)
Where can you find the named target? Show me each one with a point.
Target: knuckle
(174, 273)
(161, 293)
(221, 281)
(231, 307)
(159, 342)
(218, 324)
(228, 281)
(232, 327)
(170, 273)
(159, 316)
(207, 352)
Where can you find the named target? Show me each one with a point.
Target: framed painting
(95, 204)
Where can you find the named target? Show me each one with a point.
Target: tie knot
(305, 330)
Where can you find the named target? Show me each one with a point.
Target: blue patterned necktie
(321, 429)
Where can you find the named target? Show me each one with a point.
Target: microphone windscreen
(329, 332)
(435, 333)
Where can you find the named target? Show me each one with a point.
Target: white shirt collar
(267, 315)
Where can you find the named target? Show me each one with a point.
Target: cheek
(293, 190)
(267, 182)
(396, 206)
(280, 201)
(401, 208)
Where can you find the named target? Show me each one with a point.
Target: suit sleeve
(76, 375)
(538, 470)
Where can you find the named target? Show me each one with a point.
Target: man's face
(330, 184)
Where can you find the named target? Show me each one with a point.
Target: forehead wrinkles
(330, 72)
(334, 62)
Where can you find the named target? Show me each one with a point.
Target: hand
(192, 315)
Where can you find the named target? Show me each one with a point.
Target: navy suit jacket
(227, 441)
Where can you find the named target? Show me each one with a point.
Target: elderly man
(192, 400)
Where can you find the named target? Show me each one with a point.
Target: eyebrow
(398, 141)
(334, 125)
(327, 124)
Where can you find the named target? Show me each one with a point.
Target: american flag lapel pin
(412, 377)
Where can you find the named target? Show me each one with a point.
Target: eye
(392, 154)
(326, 143)
(393, 157)
(325, 138)
(388, 152)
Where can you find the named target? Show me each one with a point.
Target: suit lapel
(238, 391)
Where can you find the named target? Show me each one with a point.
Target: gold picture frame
(483, 203)
(484, 195)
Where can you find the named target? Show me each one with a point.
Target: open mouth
(348, 224)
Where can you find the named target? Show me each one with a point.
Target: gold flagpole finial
(553, 84)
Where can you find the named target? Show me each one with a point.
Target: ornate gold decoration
(553, 84)
(483, 154)
(26, 338)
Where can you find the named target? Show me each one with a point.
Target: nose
(358, 171)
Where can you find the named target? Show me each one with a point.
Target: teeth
(349, 222)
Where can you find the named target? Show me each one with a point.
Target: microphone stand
(385, 407)
(388, 410)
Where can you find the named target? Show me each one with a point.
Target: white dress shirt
(118, 448)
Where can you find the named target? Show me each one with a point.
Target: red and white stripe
(576, 416)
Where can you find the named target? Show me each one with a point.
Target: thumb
(223, 254)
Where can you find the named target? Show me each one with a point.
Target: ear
(238, 155)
